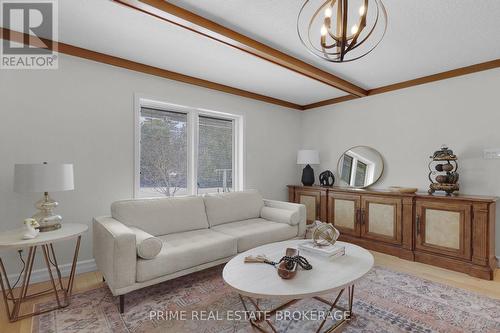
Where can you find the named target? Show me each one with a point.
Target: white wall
(82, 113)
(407, 126)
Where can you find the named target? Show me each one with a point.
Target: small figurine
(29, 226)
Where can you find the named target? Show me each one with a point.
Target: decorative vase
(308, 176)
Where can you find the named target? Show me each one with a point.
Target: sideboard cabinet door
(344, 212)
(312, 200)
(443, 228)
(381, 218)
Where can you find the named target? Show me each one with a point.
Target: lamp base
(308, 176)
(49, 227)
(47, 220)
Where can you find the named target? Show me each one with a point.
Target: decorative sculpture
(30, 226)
(325, 234)
(326, 178)
(443, 173)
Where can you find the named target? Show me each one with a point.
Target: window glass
(163, 158)
(215, 155)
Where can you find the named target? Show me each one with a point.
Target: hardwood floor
(92, 280)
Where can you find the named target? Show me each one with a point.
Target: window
(215, 155)
(183, 151)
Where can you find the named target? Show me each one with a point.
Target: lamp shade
(43, 177)
(308, 157)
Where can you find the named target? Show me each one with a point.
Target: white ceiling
(423, 37)
(114, 29)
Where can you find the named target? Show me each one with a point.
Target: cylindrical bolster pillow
(148, 246)
(291, 217)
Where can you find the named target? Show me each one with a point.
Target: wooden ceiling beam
(198, 24)
(411, 83)
(139, 67)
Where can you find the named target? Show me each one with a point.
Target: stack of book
(330, 251)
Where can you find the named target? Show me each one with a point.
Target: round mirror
(360, 167)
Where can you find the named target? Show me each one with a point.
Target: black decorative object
(308, 176)
(307, 157)
(326, 178)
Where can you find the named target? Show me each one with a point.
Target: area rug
(384, 301)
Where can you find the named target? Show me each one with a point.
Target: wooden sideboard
(455, 232)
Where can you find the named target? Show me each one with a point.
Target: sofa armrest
(148, 246)
(115, 253)
(291, 206)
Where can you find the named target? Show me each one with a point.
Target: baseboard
(41, 275)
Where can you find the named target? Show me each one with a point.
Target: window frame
(193, 113)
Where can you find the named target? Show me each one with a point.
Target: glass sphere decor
(325, 234)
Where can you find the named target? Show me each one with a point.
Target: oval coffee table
(254, 281)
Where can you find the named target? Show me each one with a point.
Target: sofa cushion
(185, 250)
(234, 206)
(255, 232)
(291, 217)
(162, 216)
(148, 246)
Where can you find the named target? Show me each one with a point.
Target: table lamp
(307, 157)
(44, 178)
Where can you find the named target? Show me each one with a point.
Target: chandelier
(341, 30)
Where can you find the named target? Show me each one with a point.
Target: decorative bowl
(401, 189)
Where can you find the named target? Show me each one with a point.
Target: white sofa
(148, 241)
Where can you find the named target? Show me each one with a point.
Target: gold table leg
(269, 313)
(50, 260)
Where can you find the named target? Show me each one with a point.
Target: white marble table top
(261, 280)
(14, 238)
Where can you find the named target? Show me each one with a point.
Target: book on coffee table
(326, 251)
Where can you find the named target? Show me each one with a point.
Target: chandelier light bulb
(324, 31)
(328, 12)
(362, 10)
(354, 29)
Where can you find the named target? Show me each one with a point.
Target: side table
(13, 240)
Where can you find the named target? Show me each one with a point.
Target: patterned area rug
(384, 301)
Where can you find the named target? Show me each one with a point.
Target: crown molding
(137, 67)
(411, 83)
(155, 71)
(330, 101)
(437, 77)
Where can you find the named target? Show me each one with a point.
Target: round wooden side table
(13, 240)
